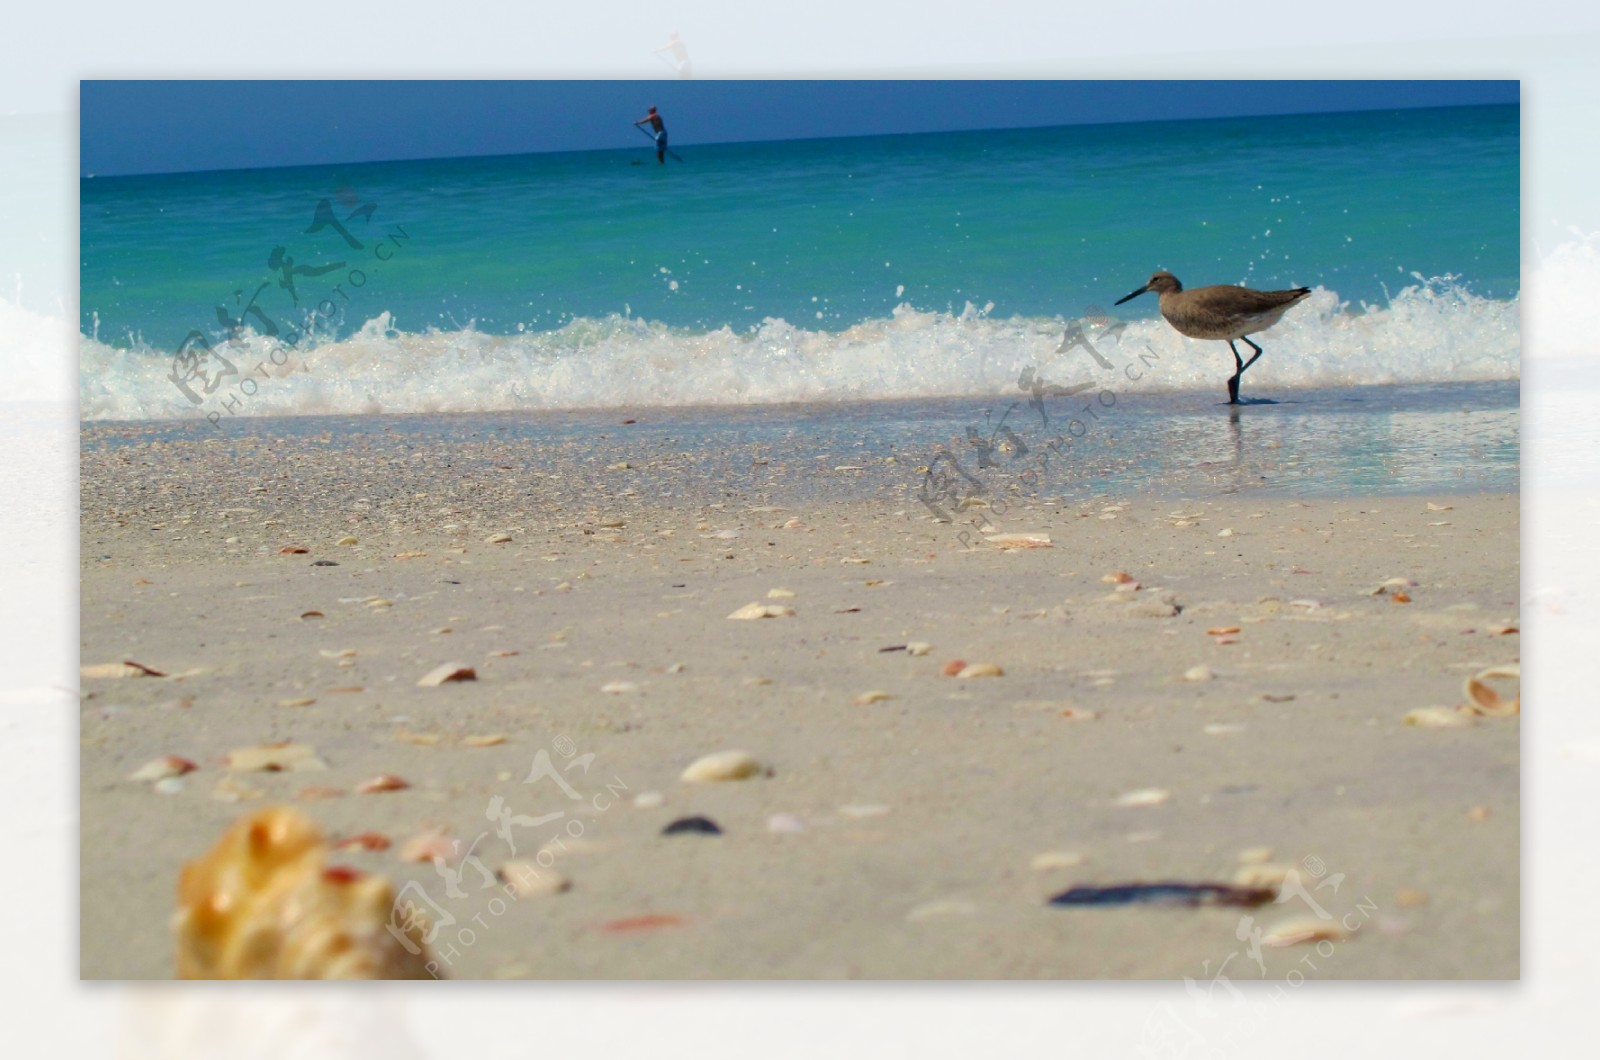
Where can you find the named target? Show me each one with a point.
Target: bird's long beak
(1135, 294)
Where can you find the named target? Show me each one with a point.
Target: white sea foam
(1433, 331)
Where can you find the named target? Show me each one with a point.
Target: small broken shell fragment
(1262, 875)
(373, 841)
(483, 741)
(382, 782)
(1199, 673)
(1079, 714)
(275, 758)
(526, 879)
(1439, 718)
(298, 701)
(1255, 856)
(451, 671)
(1144, 797)
(753, 611)
(497, 539)
(780, 594)
(720, 766)
(1056, 859)
(263, 903)
(953, 667)
(1222, 631)
(428, 845)
(1482, 699)
(1297, 930)
(866, 699)
(163, 767)
(1117, 577)
(981, 669)
(1020, 540)
(918, 647)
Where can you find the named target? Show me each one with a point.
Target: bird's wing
(1243, 300)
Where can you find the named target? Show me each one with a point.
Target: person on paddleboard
(659, 131)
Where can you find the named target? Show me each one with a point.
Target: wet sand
(911, 824)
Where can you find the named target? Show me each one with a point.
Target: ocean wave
(1432, 331)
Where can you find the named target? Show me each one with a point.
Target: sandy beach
(1242, 706)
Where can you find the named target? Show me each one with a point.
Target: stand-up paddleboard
(652, 136)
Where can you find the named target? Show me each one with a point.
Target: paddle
(670, 151)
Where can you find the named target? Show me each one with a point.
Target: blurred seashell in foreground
(264, 904)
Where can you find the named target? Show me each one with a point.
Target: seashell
(754, 611)
(1221, 631)
(1297, 930)
(1262, 875)
(1225, 532)
(1144, 797)
(1481, 699)
(1079, 714)
(497, 539)
(526, 879)
(373, 841)
(1117, 577)
(275, 758)
(649, 922)
(292, 550)
(483, 741)
(347, 540)
(230, 790)
(780, 594)
(299, 701)
(451, 671)
(720, 766)
(164, 767)
(1432, 507)
(983, 669)
(868, 698)
(1399, 598)
(311, 614)
(648, 800)
(1199, 673)
(264, 904)
(918, 647)
(953, 667)
(382, 782)
(1439, 718)
(692, 826)
(427, 845)
(1020, 540)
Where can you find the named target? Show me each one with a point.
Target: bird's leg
(1233, 383)
(1252, 360)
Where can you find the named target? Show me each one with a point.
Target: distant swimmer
(658, 133)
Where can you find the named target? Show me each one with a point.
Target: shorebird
(1220, 312)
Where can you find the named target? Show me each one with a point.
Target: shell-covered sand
(897, 823)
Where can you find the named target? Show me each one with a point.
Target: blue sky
(180, 126)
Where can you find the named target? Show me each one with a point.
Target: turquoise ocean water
(893, 266)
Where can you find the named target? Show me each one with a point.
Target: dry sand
(919, 817)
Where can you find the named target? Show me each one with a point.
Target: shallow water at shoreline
(1328, 443)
